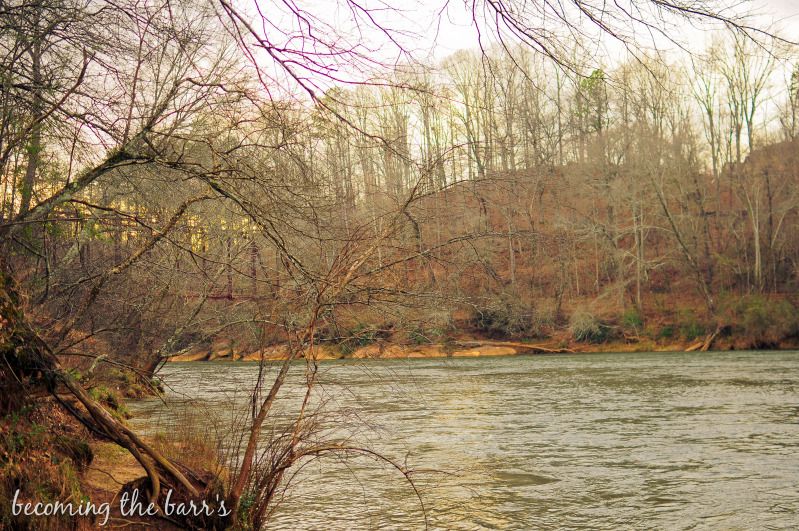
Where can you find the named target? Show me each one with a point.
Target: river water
(594, 441)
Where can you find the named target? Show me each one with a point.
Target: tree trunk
(28, 364)
(35, 145)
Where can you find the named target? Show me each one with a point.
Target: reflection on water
(599, 441)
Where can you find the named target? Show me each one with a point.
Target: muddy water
(596, 441)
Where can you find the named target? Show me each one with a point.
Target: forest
(197, 180)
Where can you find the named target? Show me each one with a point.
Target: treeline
(495, 192)
(164, 187)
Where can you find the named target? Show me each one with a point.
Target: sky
(432, 30)
(438, 34)
(784, 8)
(456, 30)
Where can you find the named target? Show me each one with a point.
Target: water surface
(594, 441)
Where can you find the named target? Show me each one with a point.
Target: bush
(691, 327)
(587, 329)
(667, 332)
(692, 330)
(632, 320)
(510, 316)
(111, 399)
(358, 336)
(504, 320)
(192, 436)
(428, 327)
(419, 336)
(765, 322)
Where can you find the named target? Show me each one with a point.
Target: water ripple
(600, 441)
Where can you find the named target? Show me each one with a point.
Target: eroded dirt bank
(227, 350)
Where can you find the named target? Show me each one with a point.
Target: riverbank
(469, 347)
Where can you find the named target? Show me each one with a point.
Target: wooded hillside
(179, 175)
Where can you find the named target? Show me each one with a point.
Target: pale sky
(457, 30)
(437, 28)
(434, 29)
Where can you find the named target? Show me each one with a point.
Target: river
(587, 441)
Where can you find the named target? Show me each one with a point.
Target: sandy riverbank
(225, 351)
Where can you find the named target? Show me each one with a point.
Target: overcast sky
(434, 29)
(456, 30)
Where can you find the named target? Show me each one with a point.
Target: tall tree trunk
(35, 144)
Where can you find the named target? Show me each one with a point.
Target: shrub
(510, 316)
(358, 336)
(500, 321)
(632, 319)
(587, 329)
(193, 437)
(667, 332)
(690, 326)
(111, 399)
(692, 329)
(766, 322)
(428, 327)
(418, 336)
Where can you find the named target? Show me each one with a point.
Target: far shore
(225, 350)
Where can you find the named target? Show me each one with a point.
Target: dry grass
(192, 440)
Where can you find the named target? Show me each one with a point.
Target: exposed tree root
(28, 366)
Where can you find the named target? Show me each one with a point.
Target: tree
(199, 137)
(790, 115)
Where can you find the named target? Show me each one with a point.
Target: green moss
(111, 399)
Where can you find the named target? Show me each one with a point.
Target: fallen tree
(526, 347)
(29, 367)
